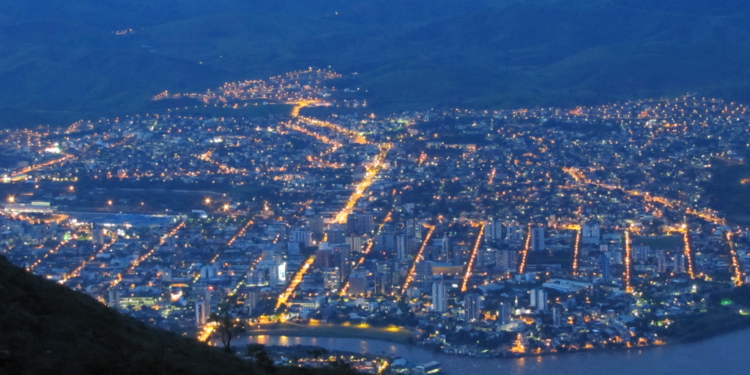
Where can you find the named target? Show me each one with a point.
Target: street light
(11, 199)
(208, 200)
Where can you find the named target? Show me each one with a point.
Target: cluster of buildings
(485, 233)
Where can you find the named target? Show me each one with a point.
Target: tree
(261, 357)
(228, 324)
(316, 353)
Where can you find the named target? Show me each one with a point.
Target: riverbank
(393, 334)
(714, 356)
(687, 331)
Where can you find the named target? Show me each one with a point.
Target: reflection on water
(717, 356)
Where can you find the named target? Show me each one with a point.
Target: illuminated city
(476, 233)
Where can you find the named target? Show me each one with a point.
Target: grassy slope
(50, 329)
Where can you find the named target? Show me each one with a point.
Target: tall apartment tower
(538, 299)
(537, 239)
(439, 298)
(473, 307)
(202, 312)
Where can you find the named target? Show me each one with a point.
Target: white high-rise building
(442, 247)
(114, 299)
(439, 298)
(473, 307)
(494, 231)
(209, 272)
(538, 298)
(401, 247)
(537, 239)
(590, 233)
(303, 237)
(515, 232)
(557, 316)
(331, 278)
(506, 260)
(504, 315)
(202, 312)
(356, 242)
(98, 234)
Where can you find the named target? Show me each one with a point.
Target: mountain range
(65, 60)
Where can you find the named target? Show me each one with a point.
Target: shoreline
(402, 337)
(396, 335)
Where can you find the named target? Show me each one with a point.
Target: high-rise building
(343, 249)
(439, 298)
(486, 257)
(557, 315)
(252, 301)
(401, 249)
(365, 223)
(344, 267)
(323, 258)
(615, 256)
(336, 233)
(166, 275)
(494, 231)
(270, 272)
(506, 260)
(662, 262)
(208, 295)
(515, 232)
(385, 242)
(317, 224)
(355, 242)
(304, 237)
(604, 265)
(590, 233)
(202, 312)
(209, 272)
(504, 312)
(98, 235)
(679, 265)
(442, 247)
(351, 223)
(423, 273)
(641, 253)
(358, 282)
(537, 239)
(414, 228)
(388, 270)
(538, 298)
(473, 307)
(114, 299)
(292, 249)
(381, 283)
(331, 278)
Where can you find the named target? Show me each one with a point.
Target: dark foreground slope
(46, 328)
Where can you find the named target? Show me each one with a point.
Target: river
(723, 355)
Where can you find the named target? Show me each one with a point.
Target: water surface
(723, 355)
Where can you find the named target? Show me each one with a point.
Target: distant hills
(63, 60)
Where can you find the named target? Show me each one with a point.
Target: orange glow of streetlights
(208, 200)
(11, 199)
(109, 203)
